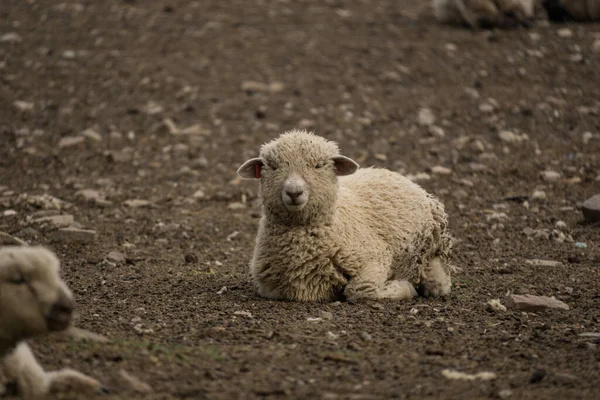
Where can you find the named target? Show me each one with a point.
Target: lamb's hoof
(434, 289)
(398, 290)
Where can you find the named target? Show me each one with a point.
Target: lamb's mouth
(58, 321)
(295, 206)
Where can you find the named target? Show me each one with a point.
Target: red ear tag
(257, 171)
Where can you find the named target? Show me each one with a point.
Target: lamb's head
(298, 174)
(33, 298)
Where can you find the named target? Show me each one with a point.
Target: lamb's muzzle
(295, 193)
(61, 312)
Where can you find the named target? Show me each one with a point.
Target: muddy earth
(105, 102)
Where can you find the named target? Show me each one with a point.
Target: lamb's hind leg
(435, 280)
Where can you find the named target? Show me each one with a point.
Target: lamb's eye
(18, 280)
(319, 165)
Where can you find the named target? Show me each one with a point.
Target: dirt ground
(170, 97)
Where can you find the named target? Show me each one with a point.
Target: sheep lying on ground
(572, 10)
(370, 233)
(485, 13)
(33, 301)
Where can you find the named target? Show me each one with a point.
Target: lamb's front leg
(371, 282)
(35, 383)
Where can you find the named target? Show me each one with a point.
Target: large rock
(56, 221)
(528, 302)
(74, 235)
(591, 209)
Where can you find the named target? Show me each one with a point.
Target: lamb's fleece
(33, 301)
(371, 234)
(485, 13)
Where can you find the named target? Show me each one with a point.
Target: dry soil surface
(161, 101)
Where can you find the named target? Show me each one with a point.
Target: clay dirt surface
(170, 97)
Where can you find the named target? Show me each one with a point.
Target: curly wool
(370, 234)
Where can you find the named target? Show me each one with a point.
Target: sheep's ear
(251, 169)
(344, 165)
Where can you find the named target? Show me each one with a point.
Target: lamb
(485, 13)
(572, 10)
(33, 301)
(330, 230)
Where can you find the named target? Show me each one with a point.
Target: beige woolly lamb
(371, 233)
(572, 10)
(485, 13)
(33, 301)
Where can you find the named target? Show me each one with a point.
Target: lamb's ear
(251, 169)
(344, 165)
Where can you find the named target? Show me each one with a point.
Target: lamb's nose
(64, 305)
(294, 194)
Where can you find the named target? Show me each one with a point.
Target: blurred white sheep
(34, 301)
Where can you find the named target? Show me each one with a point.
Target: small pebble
(562, 225)
(565, 33)
(116, 257)
(440, 170)
(425, 117)
(538, 195)
(69, 141)
(366, 337)
(550, 176)
(537, 376)
(10, 37)
(137, 203)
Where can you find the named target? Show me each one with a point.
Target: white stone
(137, 203)
(10, 37)
(562, 225)
(23, 105)
(511, 137)
(495, 305)
(199, 194)
(116, 257)
(426, 117)
(457, 375)
(565, 33)
(544, 263)
(92, 134)
(550, 176)
(69, 141)
(538, 195)
(440, 170)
